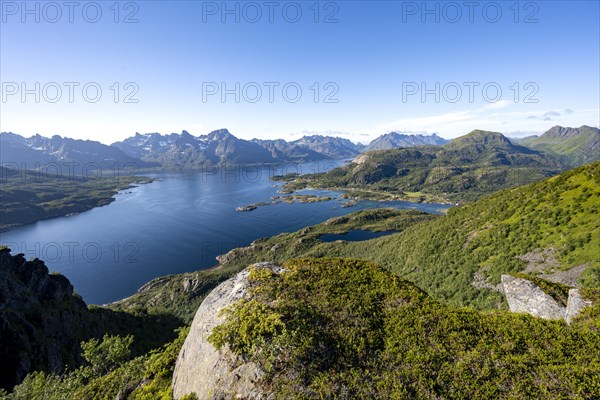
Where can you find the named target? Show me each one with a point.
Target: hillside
(27, 196)
(466, 168)
(43, 321)
(345, 328)
(574, 146)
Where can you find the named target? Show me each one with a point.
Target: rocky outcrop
(204, 370)
(575, 304)
(41, 319)
(524, 296)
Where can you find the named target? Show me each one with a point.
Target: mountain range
(465, 168)
(65, 155)
(393, 140)
(221, 147)
(572, 146)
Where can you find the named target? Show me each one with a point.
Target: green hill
(466, 168)
(574, 146)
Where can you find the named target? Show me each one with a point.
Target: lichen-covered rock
(204, 370)
(524, 296)
(575, 304)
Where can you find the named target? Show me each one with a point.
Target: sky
(282, 69)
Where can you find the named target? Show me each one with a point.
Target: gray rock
(203, 370)
(524, 296)
(575, 304)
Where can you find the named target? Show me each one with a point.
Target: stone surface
(575, 304)
(524, 296)
(203, 370)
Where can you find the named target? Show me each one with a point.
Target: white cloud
(489, 117)
(497, 105)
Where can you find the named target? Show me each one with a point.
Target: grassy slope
(27, 196)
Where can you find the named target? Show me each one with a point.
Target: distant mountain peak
(484, 137)
(220, 134)
(558, 131)
(395, 139)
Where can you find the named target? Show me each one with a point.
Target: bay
(178, 223)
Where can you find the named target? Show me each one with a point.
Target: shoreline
(62, 213)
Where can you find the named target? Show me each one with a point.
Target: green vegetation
(29, 196)
(467, 168)
(109, 373)
(300, 198)
(344, 328)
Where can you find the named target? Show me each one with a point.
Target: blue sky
(371, 62)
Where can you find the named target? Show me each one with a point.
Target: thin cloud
(551, 114)
(496, 106)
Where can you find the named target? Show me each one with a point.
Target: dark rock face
(41, 319)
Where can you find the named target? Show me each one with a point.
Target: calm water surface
(178, 223)
(354, 235)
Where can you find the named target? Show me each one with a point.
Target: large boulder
(202, 369)
(526, 297)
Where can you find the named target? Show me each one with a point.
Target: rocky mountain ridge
(393, 140)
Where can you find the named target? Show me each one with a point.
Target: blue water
(354, 235)
(178, 223)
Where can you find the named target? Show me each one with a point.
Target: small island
(299, 198)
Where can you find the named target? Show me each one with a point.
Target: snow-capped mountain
(65, 155)
(221, 147)
(393, 140)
